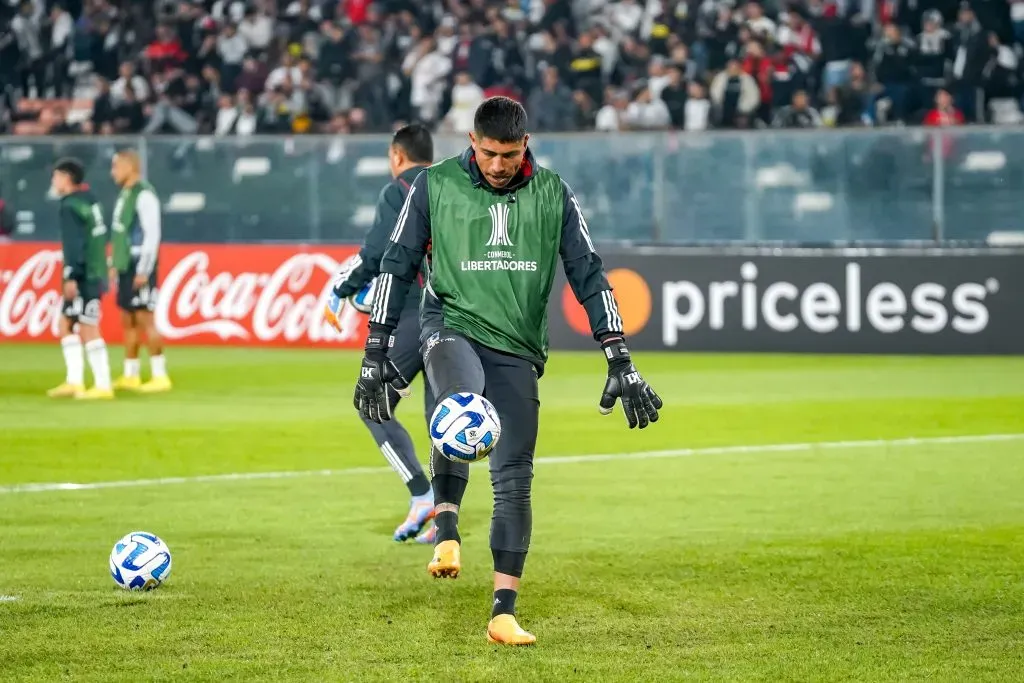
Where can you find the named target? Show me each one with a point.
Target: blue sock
(427, 497)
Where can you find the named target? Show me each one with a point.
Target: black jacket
(584, 269)
(366, 265)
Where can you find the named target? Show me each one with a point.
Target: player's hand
(639, 402)
(140, 281)
(377, 372)
(70, 289)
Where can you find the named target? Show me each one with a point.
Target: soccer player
(135, 233)
(84, 237)
(411, 150)
(493, 225)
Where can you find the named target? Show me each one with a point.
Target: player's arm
(586, 275)
(147, 208)
(366, 265)
(403, 255)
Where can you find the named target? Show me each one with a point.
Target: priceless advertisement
(940, 302)
(208, 294)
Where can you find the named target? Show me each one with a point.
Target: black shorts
(84, 308)
(131, 299)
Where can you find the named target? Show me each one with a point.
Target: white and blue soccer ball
(362, 300)
(140, 561)
(465, 427)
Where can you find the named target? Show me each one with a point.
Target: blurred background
(676, 121)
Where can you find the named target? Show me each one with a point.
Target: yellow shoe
(126, 383)
(95, 394)
(65, 390)
(505, 630)
(447, 560)
(156, 385)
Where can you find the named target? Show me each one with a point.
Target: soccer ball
(140, 561)
(465, 427)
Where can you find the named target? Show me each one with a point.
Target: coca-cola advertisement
(208, 294)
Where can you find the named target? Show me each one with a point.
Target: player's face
(498, 161)
(119, 170)
(61, 183)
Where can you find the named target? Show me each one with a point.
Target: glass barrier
(801, 187)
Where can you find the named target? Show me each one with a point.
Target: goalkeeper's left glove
(639, 402)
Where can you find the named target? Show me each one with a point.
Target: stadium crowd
(243, 67)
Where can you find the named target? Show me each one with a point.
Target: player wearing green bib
(493, 226)
(135, 234)
(84, 240)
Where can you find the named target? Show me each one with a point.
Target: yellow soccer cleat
(156, 385)
(447, 560)
(95, 394)
(65, 390)
(505, 630)
(126, 383)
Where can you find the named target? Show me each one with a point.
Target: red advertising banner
(238, 294)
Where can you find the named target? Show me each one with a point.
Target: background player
(489, 222)
(135, 234)
(412, 150)
(84, 237)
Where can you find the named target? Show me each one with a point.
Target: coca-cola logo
(286, 304)
(29, 301)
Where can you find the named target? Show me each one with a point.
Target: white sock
(96, 350)
(132, 367)
(72, 347)
(158, 364)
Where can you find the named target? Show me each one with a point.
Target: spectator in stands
(552, 108)
(612, 116)
(674, 96)
(256, 28)
(129, 117)
(466, 97)
(60, 53)
(697, 115)
(894, 68)
(427, 69)
(27, 27)
(944, 113)
(855, 100)
(800, 114)
(103, 111)
(585, 68)
(231, 48)
(934, 57)
(253, 78)
(735, 97)
(647, 113)
(128, 79)
(971, 56)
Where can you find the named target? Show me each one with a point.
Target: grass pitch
(858, 562)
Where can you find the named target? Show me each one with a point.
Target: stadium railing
(906, 186)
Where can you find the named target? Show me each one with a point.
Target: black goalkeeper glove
(377, 373)
(639, 402)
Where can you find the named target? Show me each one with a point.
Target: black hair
(73, 168)
(415, 141)
(501, 119)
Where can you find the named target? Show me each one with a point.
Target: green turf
(860, 563)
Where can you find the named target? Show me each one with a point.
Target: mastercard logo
(632, 294)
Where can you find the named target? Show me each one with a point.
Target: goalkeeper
(493, 225)
(411, 150)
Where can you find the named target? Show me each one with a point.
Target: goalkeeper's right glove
(377, 373)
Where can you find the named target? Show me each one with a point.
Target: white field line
(553, 460)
